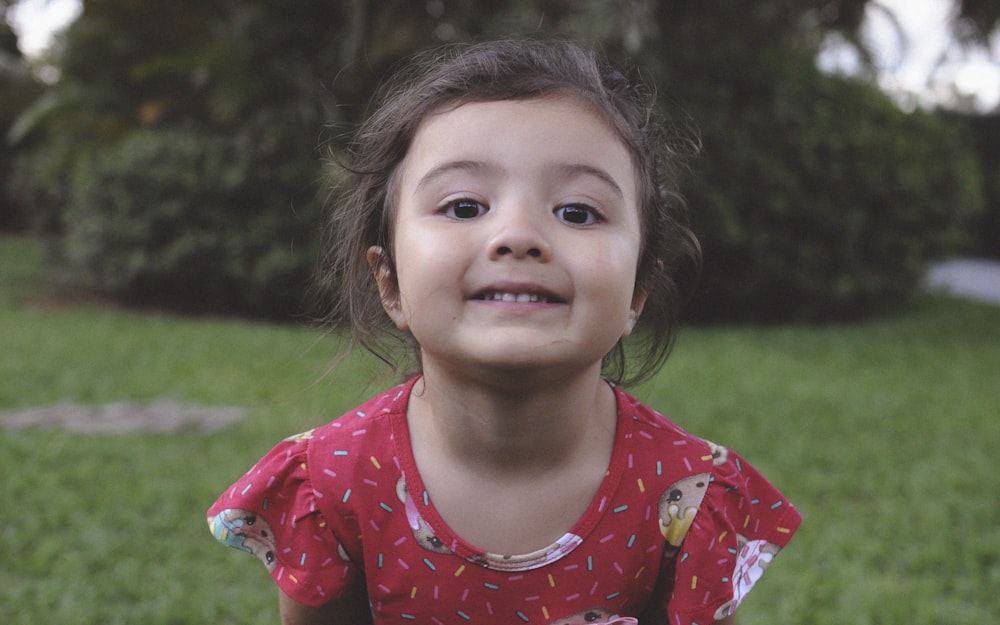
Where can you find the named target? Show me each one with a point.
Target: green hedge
(817, 199)
(178, 219)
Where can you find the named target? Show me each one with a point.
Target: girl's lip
(518, 293)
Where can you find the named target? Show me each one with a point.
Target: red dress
(679, 527)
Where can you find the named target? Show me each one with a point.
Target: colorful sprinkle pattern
(679, 526)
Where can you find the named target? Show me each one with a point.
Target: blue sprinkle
(427, 499)
(725, 580)
(631, 541)
(340, 452)
(429, 564)
(379, 560)
(408, 617)
(731, 550)
(464, 615)
(620, 509)
(244, 492)
(659, 467)
(491, 586)
(360, 414)
(522, 616)
(384, 506)
(684, 556)
(755, 501)
(302, 560)
(776, 505)
(347, 496)
(612, 596)
(590, 563)
(739, 466)
(264, 505)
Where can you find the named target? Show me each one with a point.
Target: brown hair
(362, 215)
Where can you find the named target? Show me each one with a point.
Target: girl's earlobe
(388, 290)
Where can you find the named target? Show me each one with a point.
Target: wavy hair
(363, 206)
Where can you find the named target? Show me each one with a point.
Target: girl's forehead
(558, 127)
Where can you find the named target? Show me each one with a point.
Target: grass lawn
(885, 434)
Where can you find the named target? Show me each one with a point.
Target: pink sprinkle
(403, 564)
(465, 595)
(645, 435)
(687, 463)
(330, 473)
(607, 538)
(370, 482)
(399, 541)
(619, 569)
(573, 597)
(593, 588)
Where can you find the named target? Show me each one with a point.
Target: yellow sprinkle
(746, 522)
(694, 582)
(322, 524)
(708, 457)
(722, 536)
(375, 462)
(642, 487)
(552, 582)
(413, 593)
(303, 465)
(639, 573)
(784, 530)
(459, 571)
(293, 578)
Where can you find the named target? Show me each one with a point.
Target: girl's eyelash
(591, 215)
(464, 208)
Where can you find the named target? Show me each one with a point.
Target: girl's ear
(388, 290)
(642, 291)
(635, 309)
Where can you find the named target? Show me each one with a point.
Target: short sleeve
(743, 522)
(272, 513)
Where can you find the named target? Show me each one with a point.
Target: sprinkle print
(607, 564)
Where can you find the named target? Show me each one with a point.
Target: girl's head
(364, 215)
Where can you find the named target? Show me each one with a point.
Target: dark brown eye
(577, 214)
(465, 209)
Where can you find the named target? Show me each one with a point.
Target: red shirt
(679, 525)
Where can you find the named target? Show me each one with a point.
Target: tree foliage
(178, 159)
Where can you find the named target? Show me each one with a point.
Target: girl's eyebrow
(561, 170)
(573, 170)
(450, 166)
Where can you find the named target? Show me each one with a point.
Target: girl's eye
(465, 209)
(578, 214)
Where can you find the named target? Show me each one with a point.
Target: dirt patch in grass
(159, 417)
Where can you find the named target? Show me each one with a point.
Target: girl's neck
(510, 426)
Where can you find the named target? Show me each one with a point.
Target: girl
(511, 218)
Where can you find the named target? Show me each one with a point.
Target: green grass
(885, 434)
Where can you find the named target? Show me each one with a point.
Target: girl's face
(517, 237)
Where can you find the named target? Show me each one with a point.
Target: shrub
(183, 220)
(817, 199)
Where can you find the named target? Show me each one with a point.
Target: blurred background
(163, 177)
(172, 155)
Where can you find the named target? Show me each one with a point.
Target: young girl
(511, 218)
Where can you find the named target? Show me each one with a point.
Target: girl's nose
(519, 237)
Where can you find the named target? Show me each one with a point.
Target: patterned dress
(680, 528)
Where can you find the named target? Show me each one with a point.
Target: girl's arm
(352, 610)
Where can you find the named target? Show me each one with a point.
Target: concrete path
(966, 277)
